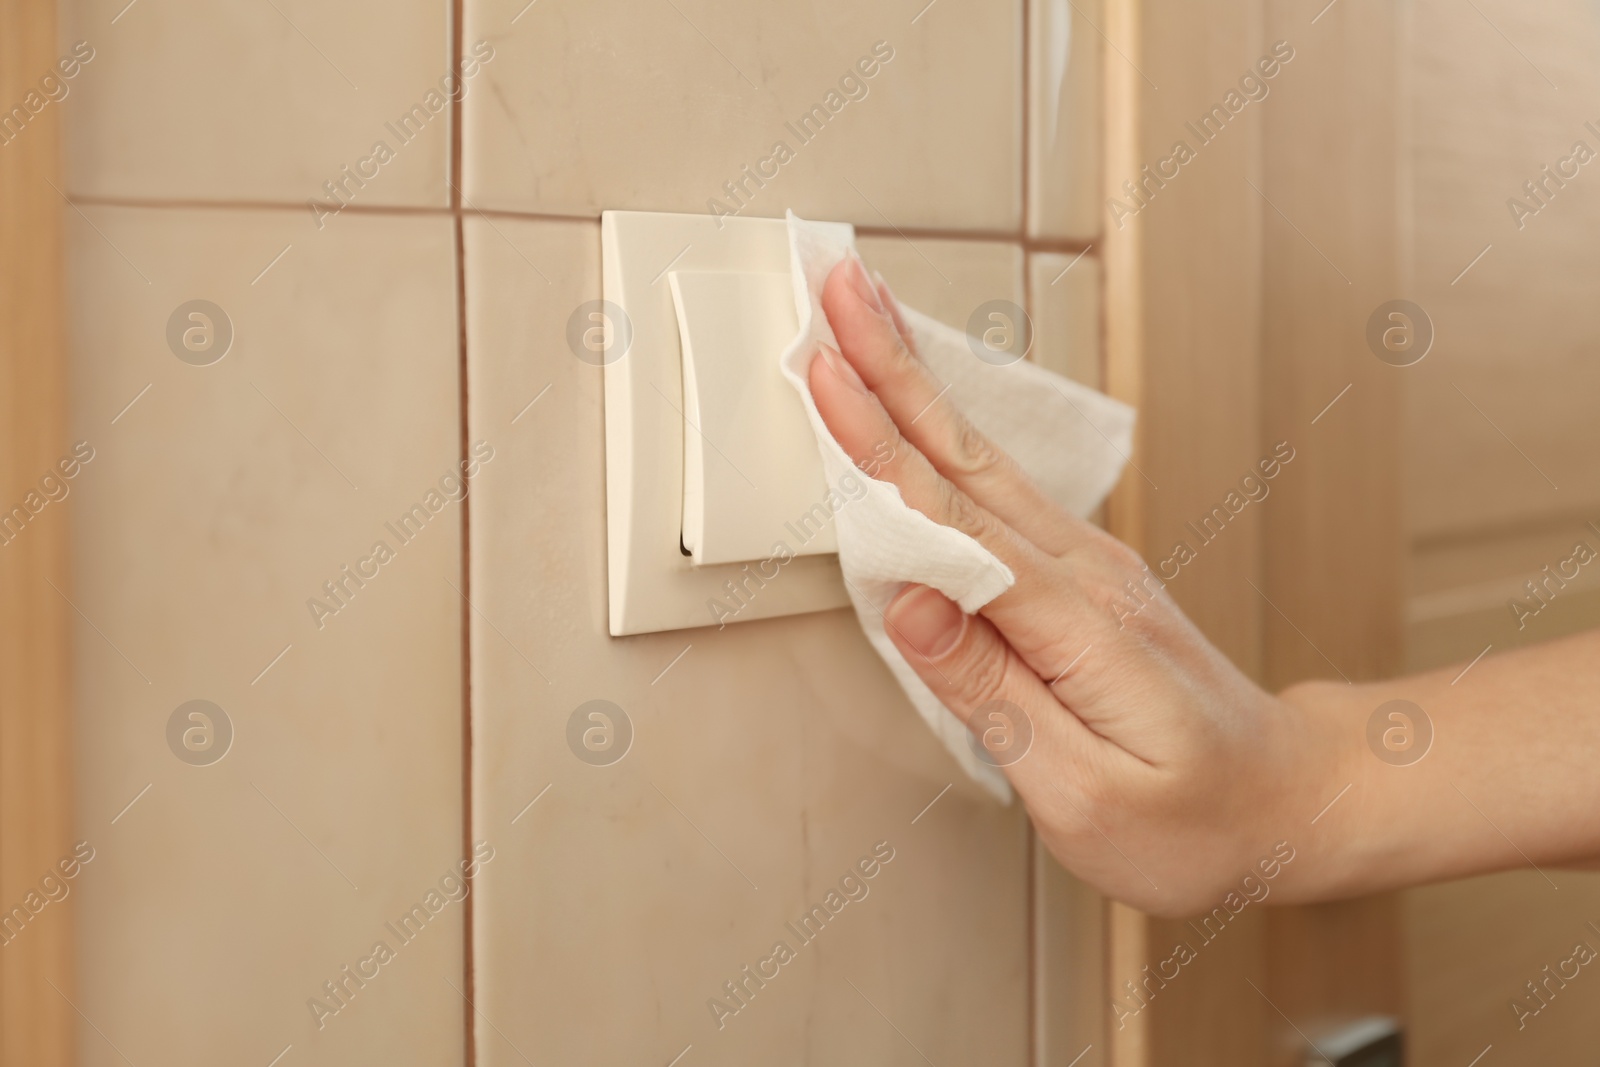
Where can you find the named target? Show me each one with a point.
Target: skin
(1158, 773)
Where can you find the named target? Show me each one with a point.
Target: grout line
(457, 29)
(469, 912)
(1063, 245)
(189, 204)
(469, 1030)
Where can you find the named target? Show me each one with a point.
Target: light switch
(707, 446)
(752, 479)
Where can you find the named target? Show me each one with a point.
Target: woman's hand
(1158, 773)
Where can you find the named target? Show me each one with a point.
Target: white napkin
(1071, 439)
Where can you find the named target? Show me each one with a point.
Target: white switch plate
(751, 473)
(652, 585)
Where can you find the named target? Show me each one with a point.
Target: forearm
(1510, 779)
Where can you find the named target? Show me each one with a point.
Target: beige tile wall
(764, 762)
(1065, 38)
(217, 502)
(615, 104)
(193, 100)
(765, 759)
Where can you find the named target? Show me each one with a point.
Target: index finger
(1044, 610)
(871, 339)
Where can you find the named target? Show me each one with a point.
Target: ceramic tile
(1064, 300)
(190, 100)
(218, 500)
(906, 115)
(1064, 122)
(947, 279)
(762, 763)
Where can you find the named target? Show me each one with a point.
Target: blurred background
(287, 281)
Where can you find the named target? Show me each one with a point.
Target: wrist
(1331, 816)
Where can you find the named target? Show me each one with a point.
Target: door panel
(1500, 473)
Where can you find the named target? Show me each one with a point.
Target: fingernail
(841, 366)
(927, 621)
(892, 302)
(886, 293)
(862, 284)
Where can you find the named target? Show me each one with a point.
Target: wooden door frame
(35, 619)
(1231, 330)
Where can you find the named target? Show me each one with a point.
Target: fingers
(867, 434)
(1037, 613)
(887, 298)
(986, 684)
(873, 337)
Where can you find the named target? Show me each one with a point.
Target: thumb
(984, 682)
